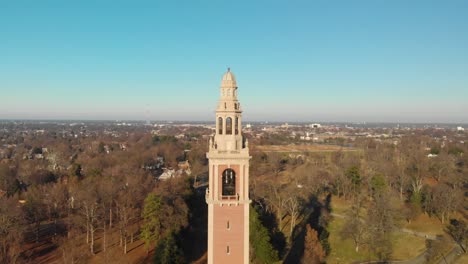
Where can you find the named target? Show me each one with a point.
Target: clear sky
(388, 61)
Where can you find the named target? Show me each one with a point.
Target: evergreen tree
(416, 200)
(168, 252)
(378, 184)
(151, 219)
(262, 251)
(355, 177)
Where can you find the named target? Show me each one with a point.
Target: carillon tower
(228, 193)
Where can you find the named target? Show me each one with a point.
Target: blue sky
(387, 61)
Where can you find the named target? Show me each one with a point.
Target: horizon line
(252, 121)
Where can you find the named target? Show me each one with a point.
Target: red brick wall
(232, 237)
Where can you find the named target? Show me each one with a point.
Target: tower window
(237, 125)
(229, 182)
(228, 126)
(228, 251)
(220, 125)
(228, 226)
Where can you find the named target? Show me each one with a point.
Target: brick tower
(228, 193)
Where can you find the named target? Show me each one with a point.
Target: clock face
(229, 182)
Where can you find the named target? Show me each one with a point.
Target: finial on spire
(229, 69)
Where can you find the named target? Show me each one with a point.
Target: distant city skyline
(346, 61)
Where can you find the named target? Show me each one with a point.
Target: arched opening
(229, 182)
(237, 125)
(220, 125)
(228, 126)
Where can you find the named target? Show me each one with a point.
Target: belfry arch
(220, 125)
(229, 182)
(229, 126)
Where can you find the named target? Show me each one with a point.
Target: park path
(449, 258)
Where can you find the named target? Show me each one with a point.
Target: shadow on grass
(194, 238)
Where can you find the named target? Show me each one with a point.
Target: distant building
(184, 165)
(459, 128)
(180, 136)
(315, 125)
(167, 174)
(306, 137)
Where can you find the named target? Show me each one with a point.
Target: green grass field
(405, 246)
(463, 259)
(426, 224)
(343, 251)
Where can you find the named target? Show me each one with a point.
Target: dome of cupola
(229, 80)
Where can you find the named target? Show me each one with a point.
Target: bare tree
(11, 230)
(88, 205)
(294, 207)
(443, 200)
(355, 228)
(401, 177)
(56, 202)
(458, 230)
(34, 209)
(380, 223)
(276, 198)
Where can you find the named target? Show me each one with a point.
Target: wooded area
(91, 196)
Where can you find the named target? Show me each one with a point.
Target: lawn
(405, 246)
(342, 251)
(462, 260)
(425, 224)
(339, 205)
